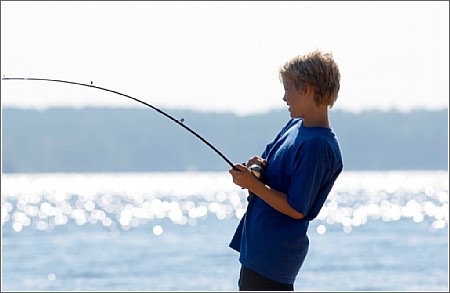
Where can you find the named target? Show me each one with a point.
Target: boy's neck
(317, 119)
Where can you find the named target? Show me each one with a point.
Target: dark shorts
(252, 281)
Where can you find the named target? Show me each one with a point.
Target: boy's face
(293, 98)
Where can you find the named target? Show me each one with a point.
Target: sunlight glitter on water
(390, 196)
(124, 201)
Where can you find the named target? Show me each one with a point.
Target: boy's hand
(243, 177)
(257, 161)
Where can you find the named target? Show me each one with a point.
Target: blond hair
(317, 69)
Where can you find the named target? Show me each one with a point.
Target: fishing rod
(179, 122)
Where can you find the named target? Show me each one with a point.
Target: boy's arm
(277, 200)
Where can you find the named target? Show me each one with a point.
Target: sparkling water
(167, 231)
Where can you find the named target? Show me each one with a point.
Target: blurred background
(102, 193)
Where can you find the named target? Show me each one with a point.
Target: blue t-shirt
(302, 162)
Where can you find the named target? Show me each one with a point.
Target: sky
(222, 56)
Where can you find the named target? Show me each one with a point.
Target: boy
(300, 167)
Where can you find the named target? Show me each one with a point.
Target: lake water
(378, 231)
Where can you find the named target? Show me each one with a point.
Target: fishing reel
(259, 173)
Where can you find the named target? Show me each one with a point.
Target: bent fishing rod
(179, 122)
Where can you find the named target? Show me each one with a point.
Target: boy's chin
(293, 116)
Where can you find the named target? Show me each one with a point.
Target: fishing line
(179, 122)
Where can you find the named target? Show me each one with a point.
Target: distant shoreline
(138, 140)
